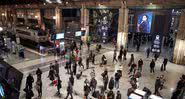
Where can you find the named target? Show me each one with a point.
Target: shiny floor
(172, 74)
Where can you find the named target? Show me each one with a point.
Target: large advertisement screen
(78, 33)
(144, 22)
(60, 36)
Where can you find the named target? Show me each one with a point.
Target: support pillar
(179, 50)
(38, 17)
(122, 35)
(25, 17)
(58, 20)
(85, 22)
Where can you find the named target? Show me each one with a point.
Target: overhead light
(48, 1)
(54, 17)
(3, 14)
(59, 1)
(67, 2)
(44, 3)
(151, 3)
(1, 29)
(36, 16)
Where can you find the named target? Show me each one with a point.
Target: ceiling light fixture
(59, 1)
(48, 1)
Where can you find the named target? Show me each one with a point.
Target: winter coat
(111, 84)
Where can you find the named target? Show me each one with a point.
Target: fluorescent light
(3, 14)
(1, 29)
(54, 17)
(59, 1)
(48, 1)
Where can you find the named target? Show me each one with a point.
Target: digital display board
(144, 22)
(78, 33)
(59, 36)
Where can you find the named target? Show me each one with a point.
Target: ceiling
(13, 2)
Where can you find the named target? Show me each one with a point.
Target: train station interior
(92, 49)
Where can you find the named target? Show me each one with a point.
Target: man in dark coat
(165, 63)
(74, 68)
(87, 62)
(157, 85)
(56, 67)
(69, 90)
(140, 65)
(118, 96)
(93, 59)
(93, 84)
(71, 79)
(148, 52)
(117, 78)
(105, 81)
(114, 56)
(152, 66)
(87, 90)
(39, 73)
(110, 95)
(111, 83)
(29, 81)
(125, 54)
(80, 62)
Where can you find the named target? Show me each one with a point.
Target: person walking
(93, 84)
(56, 67)
(93, 59)
(81, 44)
(156, 55)
(29, 82)
(59, 86)
(88, 45)
(92, 74)
(110, 95)
(71, 79)
(104, 60)
(157, 86)
(133, 68)
(117, 78)
(39, 73)
(114, 56)
(140, 65)
(87, 89)
(87, 62)
(105, 82)
(118, 96)
(111, 83)
(51, 75)
(148, 52)
(120, 54)
(39, 87)
(131, 59)
(125, 53)
(152, 66)
(80, 62)
(69, 90)
(74, 68)
(165, 61)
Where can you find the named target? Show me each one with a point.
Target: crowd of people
(75, 67)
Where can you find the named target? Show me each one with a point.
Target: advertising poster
(144, 22)
(156, 43)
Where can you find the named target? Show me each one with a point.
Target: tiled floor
(172, 75)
